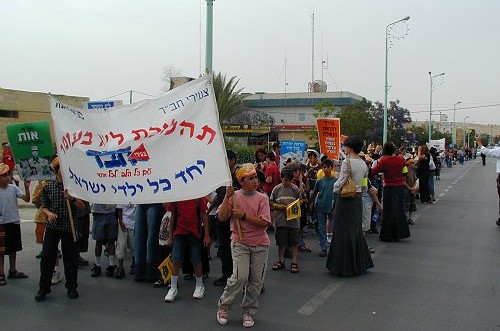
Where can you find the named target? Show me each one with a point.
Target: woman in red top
(395, 225)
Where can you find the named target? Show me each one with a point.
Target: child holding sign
(287, 229)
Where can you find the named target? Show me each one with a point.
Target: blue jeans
(147, 228)
(321, 218)
(431, 183)
(181, 241)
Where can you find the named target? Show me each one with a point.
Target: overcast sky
(103, 48)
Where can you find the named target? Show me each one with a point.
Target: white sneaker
(222, 316)
(248, 321)
(171, 295)
(199, 292)
(56, 277)
(329, 237)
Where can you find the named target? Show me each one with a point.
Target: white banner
(167, 149)
(440, 144)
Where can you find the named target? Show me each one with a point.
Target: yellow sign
(166, 269)
(293, 210)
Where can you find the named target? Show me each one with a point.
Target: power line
(148, 95)
(461, 108)
(114, 96)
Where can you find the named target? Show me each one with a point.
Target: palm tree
(229, 99)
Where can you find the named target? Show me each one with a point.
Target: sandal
(16, 274)
(304, 248)
(119, 273)
(279, 265)
(159, 283)
(2, 280)
(294, 268)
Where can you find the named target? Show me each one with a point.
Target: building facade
(23, 107)
(292, 114)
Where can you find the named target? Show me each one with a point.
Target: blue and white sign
(292, 150)
(102, 104)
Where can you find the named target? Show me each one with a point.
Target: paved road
(445, 277)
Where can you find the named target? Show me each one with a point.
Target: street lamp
(430, 103)
(384, 139)
(454, 128)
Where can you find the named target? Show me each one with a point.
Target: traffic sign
(102, 104)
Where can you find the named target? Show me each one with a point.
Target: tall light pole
(386, 65)
(430, 103)
(209, 36)
(454, 136)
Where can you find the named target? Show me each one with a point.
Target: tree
(397, 120)
(420, 134)
(377, 130)
(356, 120)
(228, 97)
(324, 109)
(167, 73)
(251, 117)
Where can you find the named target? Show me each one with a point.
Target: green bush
(244, 153)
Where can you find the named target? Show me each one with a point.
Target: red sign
(140, 154)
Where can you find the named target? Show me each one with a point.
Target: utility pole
(209, 37)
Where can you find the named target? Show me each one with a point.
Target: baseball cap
(246, 170)
(4, 169)
(55, 162)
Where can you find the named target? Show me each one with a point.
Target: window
(302, 117)
(9, 113)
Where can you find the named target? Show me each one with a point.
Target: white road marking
(449, 187)
(319, 299)
(440, 195)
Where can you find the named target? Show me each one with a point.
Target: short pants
(105, 227)
(287, 236)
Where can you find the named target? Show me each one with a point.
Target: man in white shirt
(492, 152)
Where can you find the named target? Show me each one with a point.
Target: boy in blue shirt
(324, 201)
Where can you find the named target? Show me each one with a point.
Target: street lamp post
(430, 102)
(386, 89)
(209, 36)
(454, 128)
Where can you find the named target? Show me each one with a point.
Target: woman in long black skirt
(349, 255)
(423, 173)
(395, 225)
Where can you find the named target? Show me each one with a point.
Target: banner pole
(238, 225)
(68, 205)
